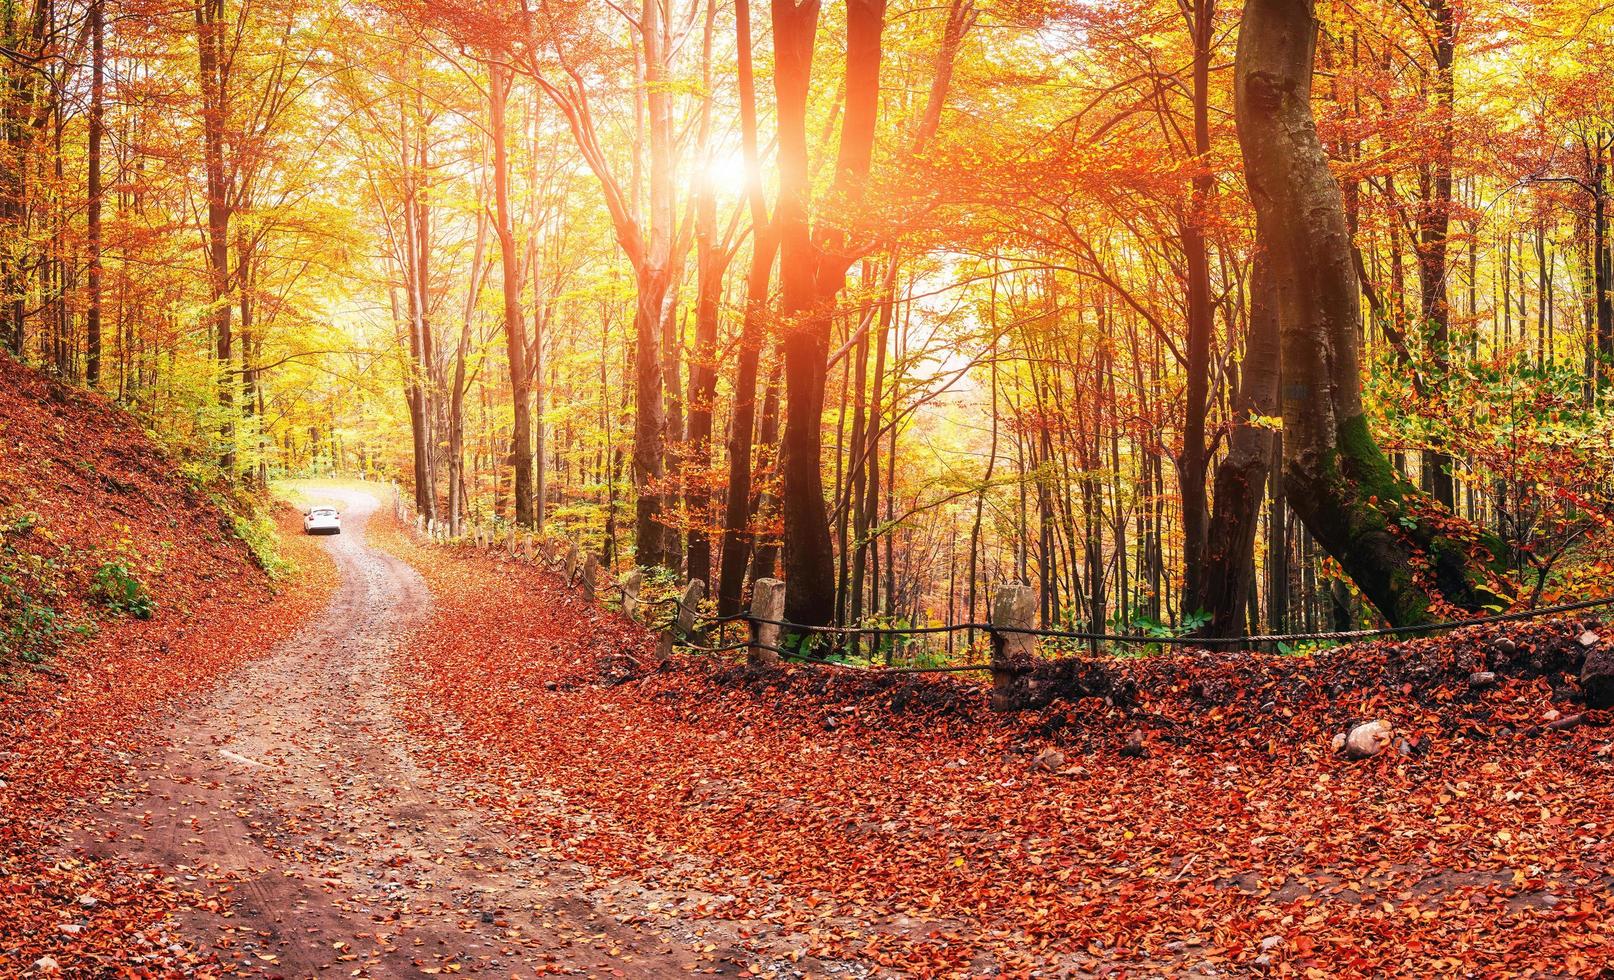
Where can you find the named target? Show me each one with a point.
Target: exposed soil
(460, 766)
(292, 795)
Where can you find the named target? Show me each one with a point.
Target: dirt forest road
(294, 796)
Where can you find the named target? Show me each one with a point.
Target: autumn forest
(1197, 318)
(801, 488)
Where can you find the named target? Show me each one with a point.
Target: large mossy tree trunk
(1400, 549)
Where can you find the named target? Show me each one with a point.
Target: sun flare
(728, 172)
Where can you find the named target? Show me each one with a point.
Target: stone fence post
(631, 583)
(689, 605)
(767, 602)
(1013, 606)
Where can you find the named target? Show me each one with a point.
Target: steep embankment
(124, 586)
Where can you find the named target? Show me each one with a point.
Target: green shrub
(251, 519)
(31, 630)
(257, 529)
(30, 627)
(118, 589)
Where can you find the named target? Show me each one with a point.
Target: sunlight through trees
(1196, 318)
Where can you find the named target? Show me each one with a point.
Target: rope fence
(1013, 637)
(1191, 640)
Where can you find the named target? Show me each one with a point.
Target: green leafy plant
(31, 628)
(251, 521)
(1300, 648)
(118, 589)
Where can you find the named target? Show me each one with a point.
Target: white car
(322, 520)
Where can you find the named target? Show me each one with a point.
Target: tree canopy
(1195, 318)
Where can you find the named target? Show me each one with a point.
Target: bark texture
(813, 263)
(764, 249)
(1398, 549)
(1242, 474)
(515, 330)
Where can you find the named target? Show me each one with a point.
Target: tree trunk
(251, 343)
(765, 558)
(737, 535)
(414, 395)
(515, 325)
(702, 396)
(1434, 227)
(742, 423)
(458, 504)
(1195, 459)
(649, 424)
(1400, 549)
(711, 261)
(650, 251)
(92, 316)
(1241, 477)
(210, 25)
(812, 273)
(654, 279)
(809, 569)
(1602, 264)
(542, 315)
(22, 122)
(416, 265)
(1277, 540)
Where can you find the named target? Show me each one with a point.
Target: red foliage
(99, 488)
(927, 839)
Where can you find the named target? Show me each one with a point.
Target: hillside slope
(123, 587)
(82, 488)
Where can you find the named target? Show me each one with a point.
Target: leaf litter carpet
(892, 825)
(460, 767)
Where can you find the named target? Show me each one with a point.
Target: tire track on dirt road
(293, 796)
